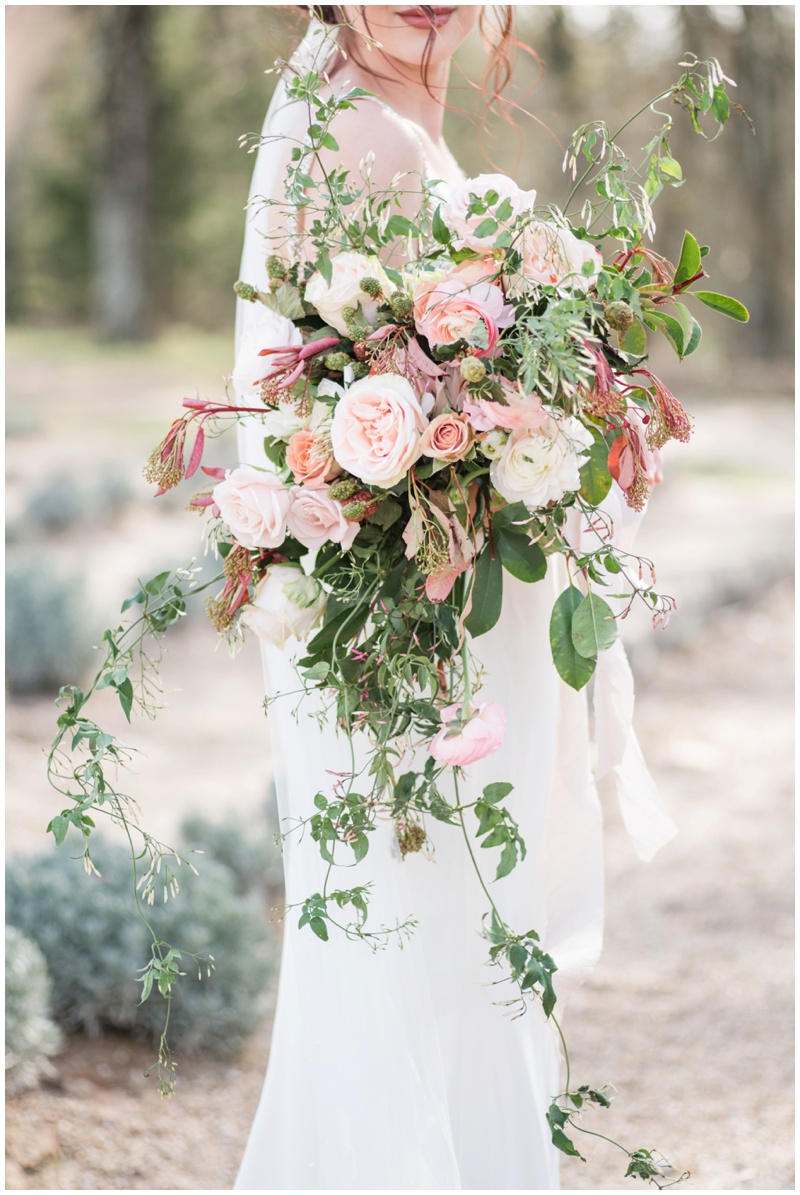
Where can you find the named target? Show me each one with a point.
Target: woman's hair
(499, 39)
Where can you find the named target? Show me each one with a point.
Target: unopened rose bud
(472, 370)
(371, 287)
(619, 315)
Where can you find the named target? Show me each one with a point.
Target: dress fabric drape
(397, 1069)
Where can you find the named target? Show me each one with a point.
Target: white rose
(315, 519)
(377, 428)
(254, 504)
(542, 466)
(344, 290)
(579, 252)
(286, 602)
(272, 331)
(282, 421)
(455, 210)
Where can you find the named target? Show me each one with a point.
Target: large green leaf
(572, 667)
(487, 594)
(519, 556)
(594, 627)
(595, 477)
(694, 339)
(724, 304)
(690, 259)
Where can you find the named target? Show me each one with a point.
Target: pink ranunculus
(465, 227)
(447, 438)
(315, 519)
(376, 429)
(462, 740)
(254, 504)
(310, 459)
(450, 309)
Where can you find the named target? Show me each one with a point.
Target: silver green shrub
(248, 850)
(31, 1036)
(94, 943)
(48, 640)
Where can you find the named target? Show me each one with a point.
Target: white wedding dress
(396, 1069)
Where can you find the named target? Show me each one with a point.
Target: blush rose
(254, 504)
(315, 519)
(376, 429)
(448, 438)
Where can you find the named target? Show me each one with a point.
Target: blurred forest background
(126, 190)
(126, 184)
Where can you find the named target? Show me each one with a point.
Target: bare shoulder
(370, 129)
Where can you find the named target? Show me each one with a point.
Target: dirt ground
(689, 1013)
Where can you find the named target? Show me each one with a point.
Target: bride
(396, 1069)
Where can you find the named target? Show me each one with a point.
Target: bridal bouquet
(443, 400)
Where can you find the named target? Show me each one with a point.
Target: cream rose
(286, 602)
(555, 256)
(315, 519)
(376, 429)
(272, 331)
(254, 505)
(448, 438)
(454, 212)
(538, 467)
(344, 289)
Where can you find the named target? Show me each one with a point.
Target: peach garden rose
(309, 457)
(464, 740)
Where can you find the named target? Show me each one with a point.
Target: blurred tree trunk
(764, 71)
(761, 62)
(120, 201)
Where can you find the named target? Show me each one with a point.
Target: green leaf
(594, 627)
(360, 847)
(324, 266)
(486, 228)
(156, 584)
(497, 791)
(595, 477)
(689, 262)
(487, 594)
(441, 232)
(521, 557)
(58, 827)
(724, 304)
(672, 329)
(562, 1142)
(511, 515)
(694, 339)
(319, 927)
(286, 301)
(572, 667)
(125, 693)
(508, 860)
(634, 341)
(330, 142)
(684, 318)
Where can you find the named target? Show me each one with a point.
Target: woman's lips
(417, 19)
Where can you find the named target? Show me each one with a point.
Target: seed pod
(472, 370)
(619, 315)
(343, 489)
(276, 268)
(371, 287)
(402, 306)
(244, 290)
